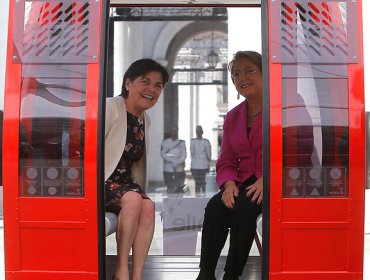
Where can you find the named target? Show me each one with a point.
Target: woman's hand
(256, 191)
(230, 191)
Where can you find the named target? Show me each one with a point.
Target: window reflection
(51, 137)
(315, 136)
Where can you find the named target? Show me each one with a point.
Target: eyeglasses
(240, 73)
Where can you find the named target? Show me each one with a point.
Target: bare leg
(143, 239)
(128, 220)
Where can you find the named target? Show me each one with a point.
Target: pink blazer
(241, 152)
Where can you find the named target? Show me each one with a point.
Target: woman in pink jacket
(239, 175)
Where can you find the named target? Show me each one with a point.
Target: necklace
(253, 115)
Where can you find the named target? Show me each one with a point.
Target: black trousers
(174, 180)
(199, 176)
(218, 219)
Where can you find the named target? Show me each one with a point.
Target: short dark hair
(142, 67)
(252, 56)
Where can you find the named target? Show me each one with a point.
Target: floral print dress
(121, 181)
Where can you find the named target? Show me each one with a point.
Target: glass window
(315, 134)
(53, 43)
(51, 137)
(314, 49)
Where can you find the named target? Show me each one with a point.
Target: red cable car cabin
(314, 133)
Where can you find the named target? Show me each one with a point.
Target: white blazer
(115, 140)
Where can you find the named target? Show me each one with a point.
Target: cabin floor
(184, 268)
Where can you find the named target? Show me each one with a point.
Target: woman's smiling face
(247, 77)
(145, 90)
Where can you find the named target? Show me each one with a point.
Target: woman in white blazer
(126, 144)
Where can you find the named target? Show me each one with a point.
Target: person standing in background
(200, 151)
(173, 152)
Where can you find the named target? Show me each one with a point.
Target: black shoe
(230, 276)
(205, 275)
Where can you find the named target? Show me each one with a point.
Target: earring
(238, 96)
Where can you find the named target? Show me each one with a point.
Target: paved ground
(366, 250)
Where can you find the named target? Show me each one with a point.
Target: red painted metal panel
(30, 208)
(319, 237)
(10, 154)
(336, 210)
(46, 236)
(357, 155)
(91, 148)
(303, 275)
(314, 249)
(64, 243)
(55, 275)
(276, 169)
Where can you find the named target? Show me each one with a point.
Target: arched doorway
(196, 84)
